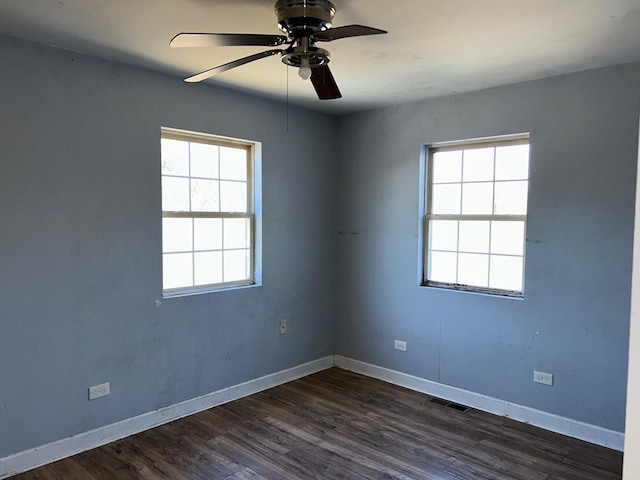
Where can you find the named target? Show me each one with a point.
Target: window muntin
(476, 214)
(208, 222)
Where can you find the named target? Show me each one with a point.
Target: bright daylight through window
(476, 215)
(207, 213)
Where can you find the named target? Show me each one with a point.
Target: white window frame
(427, 216)
(253, 183)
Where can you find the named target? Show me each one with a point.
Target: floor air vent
(447, 403)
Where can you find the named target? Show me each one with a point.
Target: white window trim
(254, 212)
(425, 189)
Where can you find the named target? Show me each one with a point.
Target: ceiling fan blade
(324, 83)
(228, 66)
(226, 40)
(345, 32)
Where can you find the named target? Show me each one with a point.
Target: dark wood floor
(337, 424)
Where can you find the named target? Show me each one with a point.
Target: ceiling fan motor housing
(299, 17)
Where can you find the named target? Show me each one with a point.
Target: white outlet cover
(98, 391)
(400, 345)
(543, 378)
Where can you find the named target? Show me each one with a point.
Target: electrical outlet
(544, 378)
(399, 345)
(98, 391)
(283, 327)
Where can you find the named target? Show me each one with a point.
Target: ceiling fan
(305, 23)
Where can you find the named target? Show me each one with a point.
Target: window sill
(206, 291)
(487, 292)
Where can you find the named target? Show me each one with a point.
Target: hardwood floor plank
(550, 465)
(317, 462)
(252, 456)
(56, 471)
(604, 459)
(337, 424)
(499, 465)
(473, 471)
(246, 474)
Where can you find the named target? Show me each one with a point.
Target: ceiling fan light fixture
(301, 56)
(305, 70)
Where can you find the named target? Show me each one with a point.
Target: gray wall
(80, 245)
(574, 319)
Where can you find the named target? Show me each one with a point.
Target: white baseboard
(35, 457)
(548, 421)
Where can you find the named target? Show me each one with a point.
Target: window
(476, 215)
(208, 221)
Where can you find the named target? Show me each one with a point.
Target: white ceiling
(434, 47)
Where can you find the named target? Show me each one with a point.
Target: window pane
(446, 199)
(512, 162)
(447, 167)
(175, 157)
(474, 236)
(506, 273)
(177, 270)
(177, 235)
(444, 235)
(235, 266)
(511, 198)
(205, 196)
(208, 233)
(235, 233)
(473, 269)
(204, 160)
(477, 198)
(175, 194)
(233, 163)
(478, 164)
(442, 267)
(233, 196)
(208, 268)
(507, 238)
